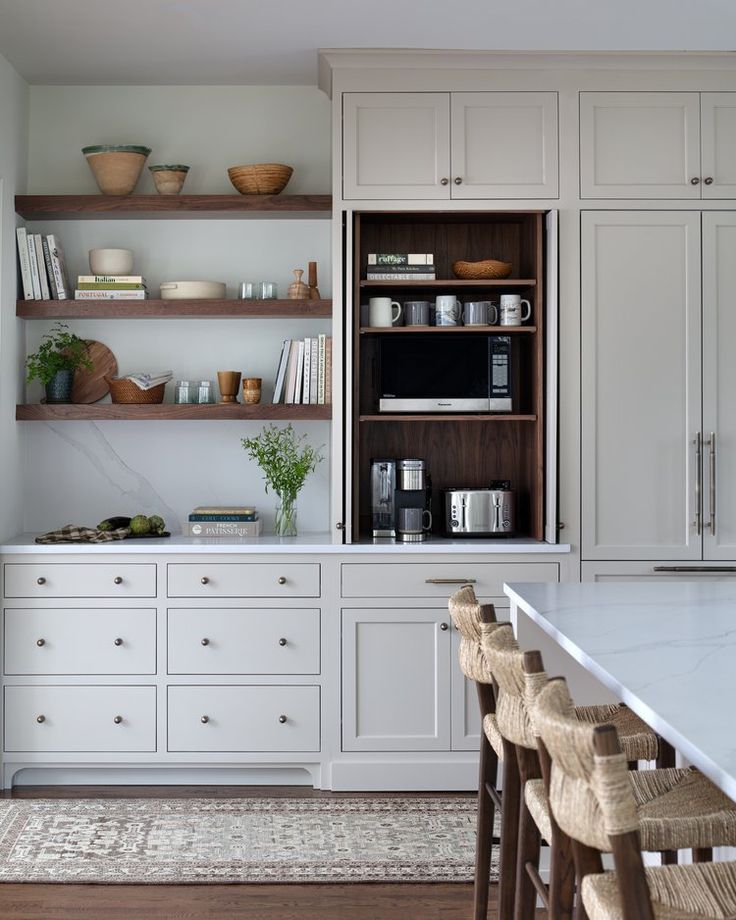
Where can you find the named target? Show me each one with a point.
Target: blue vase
(59, 388)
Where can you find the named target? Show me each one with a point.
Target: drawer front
(244, 641)
(244, 719)
(422, 580)
(243, 579)
(70, 719)
(79, 580)
(81, 641)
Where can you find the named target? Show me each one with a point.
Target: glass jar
(204, 393)
(182, 392)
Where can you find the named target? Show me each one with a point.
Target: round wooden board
(90, 386)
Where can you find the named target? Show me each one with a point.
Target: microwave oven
(444, 373)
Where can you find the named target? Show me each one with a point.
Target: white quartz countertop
(667, 650)
(317, 543)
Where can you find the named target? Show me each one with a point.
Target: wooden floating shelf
(452, 330)
(100, 207)
(454, 283)
(172, 309)
(43, 412)
(447, 417)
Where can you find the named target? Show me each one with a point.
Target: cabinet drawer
(244, 579)
(79, 580)
(236, 641)
(68, 719)
(80, 641)
(244, 719)
(422, 579)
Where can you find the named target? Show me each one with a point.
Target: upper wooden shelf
(101, 207)
(454, 283)
(170, 309)
(46, 412)
(453, 330)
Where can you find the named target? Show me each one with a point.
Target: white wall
(82, 472)
(13, 154)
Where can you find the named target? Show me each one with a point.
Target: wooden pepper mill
(298, 290)
(313, 289)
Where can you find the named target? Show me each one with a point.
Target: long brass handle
(712, 487)
(449, 581)
(698, 442)
(694, 569)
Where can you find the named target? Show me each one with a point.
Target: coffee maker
(400, 499)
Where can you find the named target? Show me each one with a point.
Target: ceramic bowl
(168, 179)
(116, 167)
(260, 178)
(111, 261)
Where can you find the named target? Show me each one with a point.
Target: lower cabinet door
(89, 718)
(207, 718)
(396, 680)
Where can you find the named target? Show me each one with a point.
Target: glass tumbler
(182, 392)
(268, 290)
(205, 392)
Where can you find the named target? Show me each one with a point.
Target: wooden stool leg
(561, 877)
(509, 833)
(587, 862)
(529, 840)
(666, 757)
(484, 834)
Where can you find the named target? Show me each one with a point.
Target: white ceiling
(276, 41)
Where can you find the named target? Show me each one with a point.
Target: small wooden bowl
(125, 391)
(260, 178)
(486, 270)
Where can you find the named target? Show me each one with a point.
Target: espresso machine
(400, 499)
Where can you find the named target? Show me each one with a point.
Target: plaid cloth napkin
(71, 533)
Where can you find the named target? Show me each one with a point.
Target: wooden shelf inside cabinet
(454, 283)
(447, 417)
(101, 207)
(452, 330)
(172, 309)
(43, 412)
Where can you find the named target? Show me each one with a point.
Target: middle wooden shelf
(173, 309)
(56, 412)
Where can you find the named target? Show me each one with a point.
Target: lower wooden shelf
(447, 417)
(68, 412)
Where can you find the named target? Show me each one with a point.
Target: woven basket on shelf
(125, 391)
(482, 271)
(260, 178)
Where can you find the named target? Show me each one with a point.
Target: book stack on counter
(400, 266)
(223, 521)
(111, 287)
(43, 274)
(304, 375)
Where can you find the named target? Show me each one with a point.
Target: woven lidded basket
(481, 271)
(125, 391)
(260, 178)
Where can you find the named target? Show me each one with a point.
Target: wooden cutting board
(90, 386)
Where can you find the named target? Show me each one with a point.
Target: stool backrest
(469, 616)
(506, 662)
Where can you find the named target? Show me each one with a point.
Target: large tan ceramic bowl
(260, 178)
(116, 167)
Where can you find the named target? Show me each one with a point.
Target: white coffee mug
(511, 312)
(382, 311)
(447, 310)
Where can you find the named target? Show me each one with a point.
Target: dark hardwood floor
(225, 902)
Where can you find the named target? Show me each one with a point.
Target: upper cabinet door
(396, 145)
(641, 384)
(504, 145)
(640, 145)
(718, 114)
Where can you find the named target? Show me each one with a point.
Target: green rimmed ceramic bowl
(169, 179)
(116, 167)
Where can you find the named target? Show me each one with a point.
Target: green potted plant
(286, 461)
(59, 355)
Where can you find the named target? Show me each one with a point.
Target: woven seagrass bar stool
(671, 809)
(505, 660)
(467, 616)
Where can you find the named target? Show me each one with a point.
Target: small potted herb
(59, 355)
(286, 461)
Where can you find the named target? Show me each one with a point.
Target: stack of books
(400, 266)
(42, 267)
(304, 375)
(223, 521)
(111, 287)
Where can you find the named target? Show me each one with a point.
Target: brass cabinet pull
(712, 487)
(282, 719)
(40, 642)
(204, 719)
(282, 580)
(449, 581)
(117, 720)
(40, 719)
(41, 580)
(282, 642)
(118, 641)
(695, 569)
(698, 442)
(118, 580)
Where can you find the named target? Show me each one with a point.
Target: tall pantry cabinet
(658, 384)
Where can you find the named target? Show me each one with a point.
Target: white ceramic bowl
(111, 261)
(193, 290)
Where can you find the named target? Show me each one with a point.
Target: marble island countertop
(666, 649)
(318, 543)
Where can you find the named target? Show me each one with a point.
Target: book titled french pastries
(58, 266)
(222, 529)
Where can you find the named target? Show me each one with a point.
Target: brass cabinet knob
(205, 580)
(458, 180)
(40, 642)
(204, 719)
(444, 181)
(118, 580)
(282, 580)
(282, 641)
(695, 180)
(444, 627)
(708, 180)
(40, 719)
(117, 720)
(282, 719)
(41, 580)
(118, 641)
(205, 641)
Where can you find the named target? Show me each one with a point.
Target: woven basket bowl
(125, 391)
(482, 271)
(260, 178)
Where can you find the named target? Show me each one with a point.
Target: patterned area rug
(277, 840)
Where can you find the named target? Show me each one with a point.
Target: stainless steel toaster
(480, 512)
